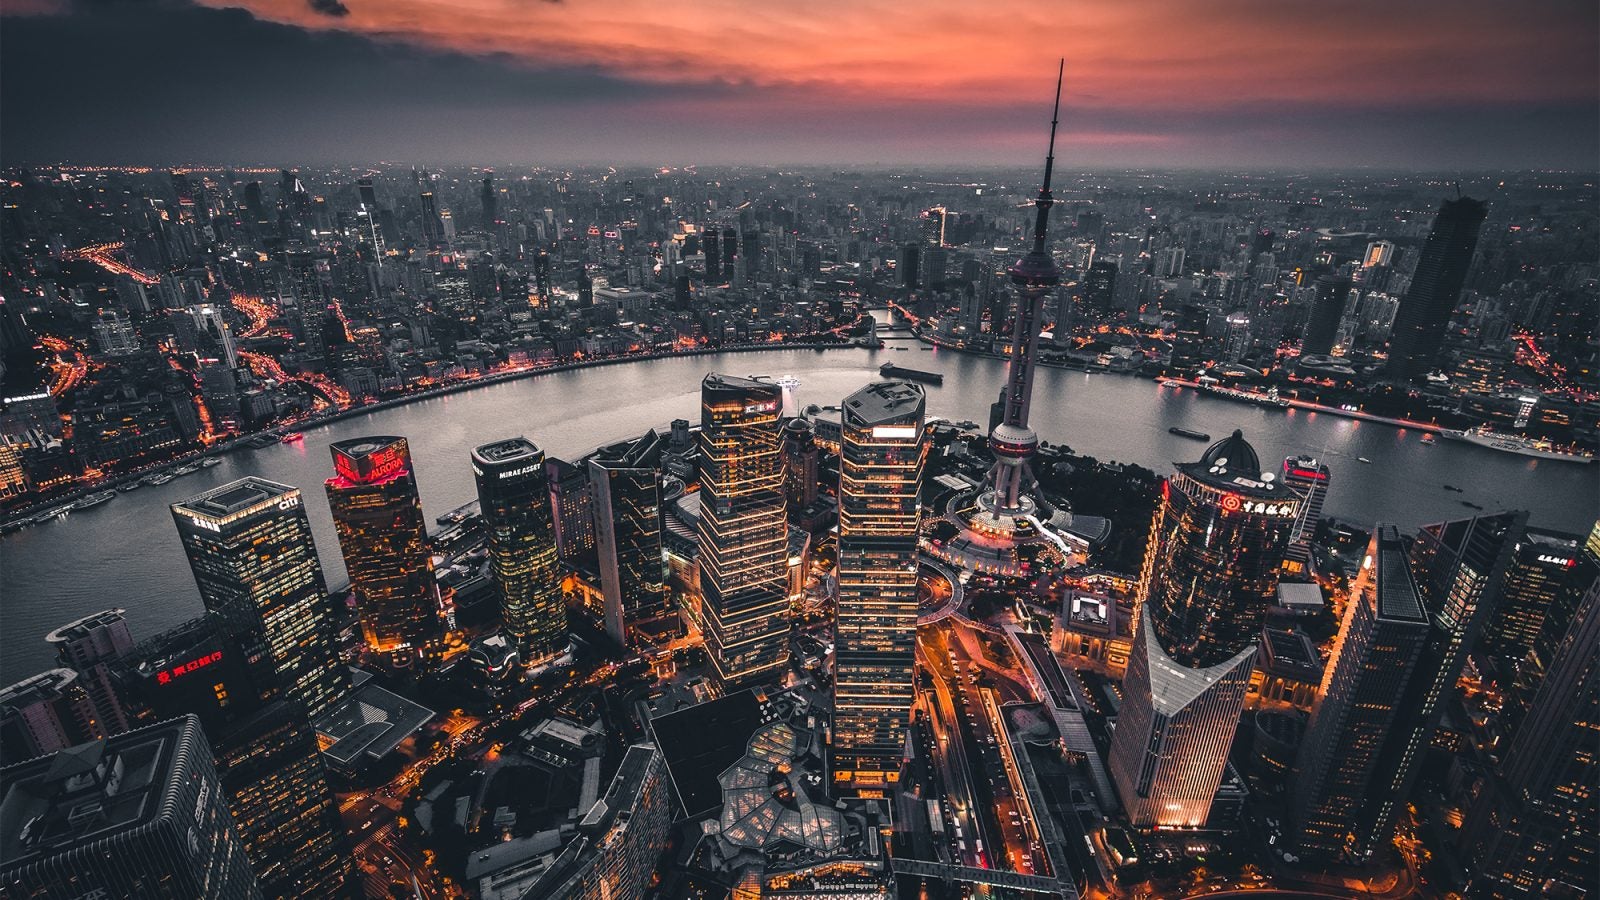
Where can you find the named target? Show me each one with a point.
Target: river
(126, 553)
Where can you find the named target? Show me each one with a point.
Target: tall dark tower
(1435, 287)
(1035, 277)
(491, 205)
(1326, 311)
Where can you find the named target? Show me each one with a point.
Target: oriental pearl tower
(1002, 518)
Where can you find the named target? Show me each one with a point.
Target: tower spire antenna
(1045, 200)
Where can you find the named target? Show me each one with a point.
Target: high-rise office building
(250, 547)
(1307, 476)
(515, 499)
(800, 454)
(44, 713)
(572, 511)
(137, 815)
(909, 265)
(1458, 568)
(627, 505)
(620, 838)
(1327, 309)
(490, 201)
(1189, 336)
(1210, 575)
(711, 247)
(268, 759)
(1526, 584)
(1419, 325)
(377, 514)
(1379, 643)
(1100, 287)
(1542, 580)
(743, 532)
(1535, 830)
(90, 646)
(432, 224)
(882, 454)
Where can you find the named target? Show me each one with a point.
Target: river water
(126, 553)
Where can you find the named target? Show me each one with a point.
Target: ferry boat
(188, 469)
(1516, 443)
(890, 370)
(127, 486)
(293, 437)
(1270, 398)
(94, 500)
(210, 461)
(159, 478)
(1189, 433)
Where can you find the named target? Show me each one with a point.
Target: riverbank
(15, 517)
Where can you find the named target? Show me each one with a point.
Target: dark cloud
(334, 8)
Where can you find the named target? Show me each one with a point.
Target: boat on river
(1537, 448)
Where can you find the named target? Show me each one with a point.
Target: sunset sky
(1423, 84)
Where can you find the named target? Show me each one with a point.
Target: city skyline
(1431, 86)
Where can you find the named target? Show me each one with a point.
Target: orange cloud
(1170, 54)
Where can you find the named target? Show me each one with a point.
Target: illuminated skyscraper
(572, 511)
(1308, 476)
(378, 516)
(515, 499)
(1544, 578)
(627, 506)
(875, 630)
(1210, 575)
(1376, 654)
(1425, 310)
(1535, 831)
(744, 536)
(268, 760)
(138, 815)
(250, 547)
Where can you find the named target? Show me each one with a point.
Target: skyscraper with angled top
(743, 532)
(514, 495)
(882, 454)
(1210, 575)
(1419, 324)
(378, 516)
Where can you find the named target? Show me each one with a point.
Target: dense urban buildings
(881, 463)
(378, 514)
(743, 534)
(514, 497)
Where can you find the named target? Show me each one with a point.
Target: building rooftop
(701, 742)
(1231, 464)
(240, 496)
(72, 798)
(883, 402)
(370, 723)
(1397, 593)
(81, 628)
(506, 451)
(1299, 596)
(45, 686)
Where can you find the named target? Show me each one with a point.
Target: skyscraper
(44, 713)
(880, 472)
(1435, 288)
(137, 815)
(490, 201)
(799, 463)
(90, 646)
(1535, 831)
(1542, 579)
(1458, 568)
(627, 506)
(1327, 309)
(744, 537)
(572, 511)
(250, 547)
(378, 516)
(268, 759)
(1379, 643)
(515, 499)
(1210, 575)
(1308, 476)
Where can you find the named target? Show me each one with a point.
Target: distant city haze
(1428, 85)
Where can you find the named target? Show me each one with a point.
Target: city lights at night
(1119, 451)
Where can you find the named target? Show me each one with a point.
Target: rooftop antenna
(1045, 200)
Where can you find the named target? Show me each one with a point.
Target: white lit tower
(1003, 516)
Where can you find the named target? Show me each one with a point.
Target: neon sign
(165, 676)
